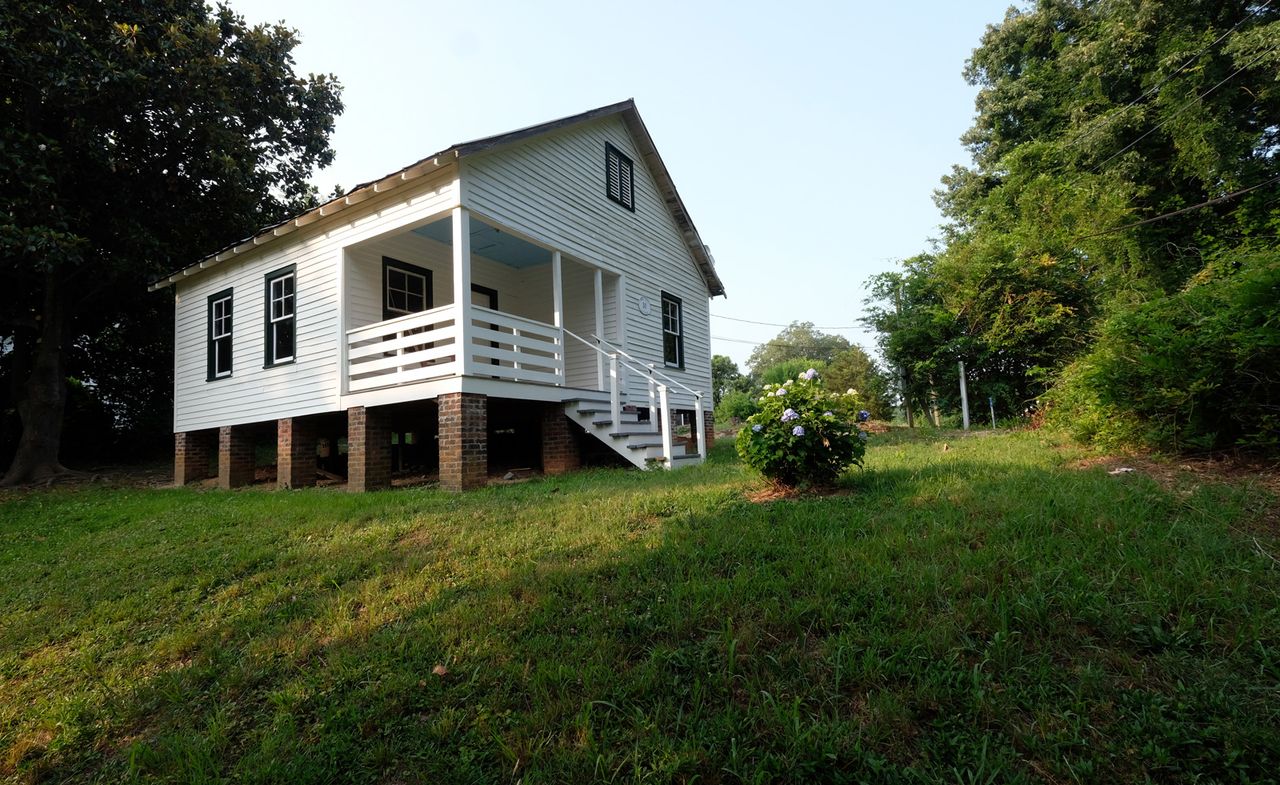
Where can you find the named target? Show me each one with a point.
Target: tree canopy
(137, 137)
(797, 341)
(1119, 150)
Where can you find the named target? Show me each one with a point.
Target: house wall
(364, 276)
(552, 189)
(309, 385)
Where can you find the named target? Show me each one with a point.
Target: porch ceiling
(491, 243)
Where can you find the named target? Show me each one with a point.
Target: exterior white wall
(308, 385)
(364, 276)
(552, 189)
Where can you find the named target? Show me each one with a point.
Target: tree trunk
(41, 408)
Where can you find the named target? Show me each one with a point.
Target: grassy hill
(988, 612)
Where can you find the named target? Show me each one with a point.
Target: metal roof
(630, 118)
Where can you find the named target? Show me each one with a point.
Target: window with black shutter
(619, 177)
(672, 331)
(280, 325)
(219, 349)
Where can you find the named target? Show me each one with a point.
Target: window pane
(287, 305)
(288, 286)
(222, 356)
(414, 302)
(395, 301)
(395, 279)
(670, 349)
(283, 343)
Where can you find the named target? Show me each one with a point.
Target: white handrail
(664, 402)
(649, 368)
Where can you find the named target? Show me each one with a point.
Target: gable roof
(630, 118)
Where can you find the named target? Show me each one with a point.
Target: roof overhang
(630, 117)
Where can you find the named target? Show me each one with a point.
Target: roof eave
(355, 196)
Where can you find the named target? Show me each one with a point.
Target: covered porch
(462, 296)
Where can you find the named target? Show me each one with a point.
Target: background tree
(1097, 121)
(136, 138)
(726, 378)
(800, 340)
(854, 368)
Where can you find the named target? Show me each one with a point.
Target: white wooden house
(506, 302)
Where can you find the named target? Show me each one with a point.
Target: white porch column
(557, 315)
(462, 286)
(599, 286)
(620, 317)
(344, 373)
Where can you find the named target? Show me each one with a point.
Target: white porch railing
(512, 347)
(427, 345)
(659, 394)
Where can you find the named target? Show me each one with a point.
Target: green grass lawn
(984, 613)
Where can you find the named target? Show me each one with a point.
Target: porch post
(344, 374)
(462, 286)
(620, 317)
(599, 286)
(557, 314)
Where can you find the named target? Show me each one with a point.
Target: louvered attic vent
(619, 177)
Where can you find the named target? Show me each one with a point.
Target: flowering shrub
(803, 435)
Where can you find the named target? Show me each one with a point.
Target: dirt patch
(1182, 476)
(777, 492)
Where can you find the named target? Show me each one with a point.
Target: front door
(486, 298)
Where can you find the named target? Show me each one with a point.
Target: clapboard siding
(551, 188)
(308, 385)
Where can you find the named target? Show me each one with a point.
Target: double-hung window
(281, 317)
(619, 177)
(219, 341)
(672, 331)
(406, 288)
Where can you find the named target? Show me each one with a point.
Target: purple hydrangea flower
(757, 428)
(862, 436)
(781, 392)
(789, 415)
(798, 430)
(809, 375)
(864, 415)
(828, 413)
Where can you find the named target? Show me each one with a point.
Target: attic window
(619, 177)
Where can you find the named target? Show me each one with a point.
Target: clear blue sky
(806, 138)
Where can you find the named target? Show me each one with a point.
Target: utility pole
(902, 369)
(964, 398)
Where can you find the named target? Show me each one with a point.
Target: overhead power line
(1185, 106)
(1152, 90)
(775, 324)
(1201, 205)
(775, 342)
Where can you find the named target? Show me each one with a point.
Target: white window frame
(669, 300)
(288, 313)
(425, 293)
(221, 327)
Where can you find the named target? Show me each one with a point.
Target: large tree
(797, 341)
(1119, 148)
(136, 138)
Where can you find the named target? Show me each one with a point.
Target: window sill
(290, 361)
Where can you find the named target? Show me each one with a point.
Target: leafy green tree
(726, 378)
(799, 340)
(917, 334)
(1095, 120)
(136, 138)
(790, 369)
(855, 369)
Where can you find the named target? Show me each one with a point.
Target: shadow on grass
(960, 617)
